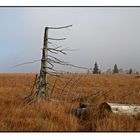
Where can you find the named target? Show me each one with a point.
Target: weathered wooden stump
(78, 112)
(83, 107)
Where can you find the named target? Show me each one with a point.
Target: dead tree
(42, 78)
(47, 63)
(39, 90)
(48, 59)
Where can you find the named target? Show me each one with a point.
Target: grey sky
(107, 35)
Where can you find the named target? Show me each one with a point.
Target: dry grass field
(56, 116)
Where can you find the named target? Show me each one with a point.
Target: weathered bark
(128, 109)
(43, 76)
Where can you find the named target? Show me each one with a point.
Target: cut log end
(105, 107)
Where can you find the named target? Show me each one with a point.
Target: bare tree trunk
(43, 71)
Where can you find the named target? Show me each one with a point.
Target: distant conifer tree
(115, 70)
(96, 69)
(130, 71)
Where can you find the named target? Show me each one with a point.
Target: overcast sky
(107, 35)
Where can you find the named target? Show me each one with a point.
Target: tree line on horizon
(115, 69)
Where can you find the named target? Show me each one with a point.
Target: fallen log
(128, 109)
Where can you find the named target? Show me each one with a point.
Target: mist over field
(108, 35)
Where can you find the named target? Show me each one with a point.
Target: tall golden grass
(56, 116)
